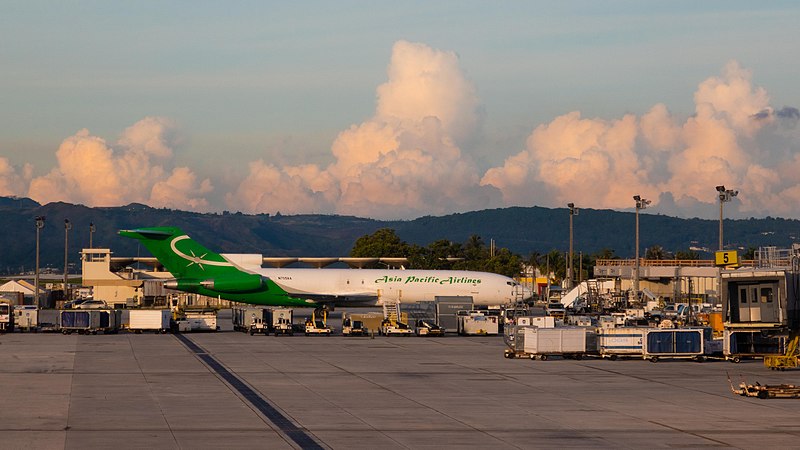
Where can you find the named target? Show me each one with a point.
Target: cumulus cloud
(137, 169)
(601, 163)
(12, 183)
(402, 162)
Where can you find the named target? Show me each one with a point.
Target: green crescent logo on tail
(199, 270)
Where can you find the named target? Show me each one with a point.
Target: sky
(396, 110)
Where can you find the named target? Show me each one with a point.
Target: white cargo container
(202, 320)
(157, 320)
(471, 323)
(566, 341)
(26, 317)
(616, 342)
(536, 321)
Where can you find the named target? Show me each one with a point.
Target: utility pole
(39, 226)
(572, 212)
(67, 227)
(725, 195)
(640, 204)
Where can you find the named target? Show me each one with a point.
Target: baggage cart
(620, 342)
(568, 342)
(88, 321)
(741, 344)
(673, 343)
(157, 320)
(26, 317)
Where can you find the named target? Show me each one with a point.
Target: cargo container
(157, 320)
(282, 319)
(569, 342)
(244, 316)
(616, 342)
(201, 320)
(536, 321)
(740, 344)
(472, 323)
(673, 343)
(447, 308)
(26, 317)
(371, 320)
(88, 321)
(47, 320)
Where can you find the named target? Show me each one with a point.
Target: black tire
(654, 359)
(736, 360)
(613, 357)
(763, 395)
(543, 358)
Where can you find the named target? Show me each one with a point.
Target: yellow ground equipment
(786, 361)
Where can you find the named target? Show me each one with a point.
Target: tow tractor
(259, 325)
(427, 327)
(318, 323)
(352, 327)
(397, 328)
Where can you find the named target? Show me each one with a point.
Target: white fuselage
(380, 286)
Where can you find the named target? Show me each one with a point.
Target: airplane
(240, 278)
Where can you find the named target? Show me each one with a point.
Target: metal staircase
(391, 311)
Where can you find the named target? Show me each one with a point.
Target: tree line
(475, 254)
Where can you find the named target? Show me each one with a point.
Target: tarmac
(232, 390)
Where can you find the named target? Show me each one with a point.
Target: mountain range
(521, 229)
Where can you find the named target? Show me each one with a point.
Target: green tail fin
(179, 254)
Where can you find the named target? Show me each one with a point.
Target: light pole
(572, 212)
(725, 195)
(640, 204)
(39, 226)
(91, 232)
(67, 227)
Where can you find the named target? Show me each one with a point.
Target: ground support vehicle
(317, 324)
(765, 391)
(428, 328)
(26, 317)
(259, 326)
(397, 328)
(783, 362)
(614, 343)
(514, 337)
(155, 320)
(89, 321)
(741, 344)
(352, 327)
(243, 317)
(6, 317)
(568, 342)
(282, 321)
(673, 343)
